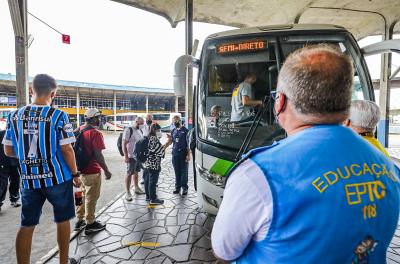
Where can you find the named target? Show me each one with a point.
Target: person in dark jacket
(8, 175)
(153, 164)
(180, 155)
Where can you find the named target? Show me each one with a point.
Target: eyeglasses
(275, 95)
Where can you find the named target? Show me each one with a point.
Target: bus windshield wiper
(253, 128)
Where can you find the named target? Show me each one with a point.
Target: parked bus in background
(226, 59)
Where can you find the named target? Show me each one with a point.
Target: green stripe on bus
(221, 167)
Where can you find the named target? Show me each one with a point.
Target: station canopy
(361, 17)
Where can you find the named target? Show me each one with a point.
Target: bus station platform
(175, 232)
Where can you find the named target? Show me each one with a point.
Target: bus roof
(276, 28)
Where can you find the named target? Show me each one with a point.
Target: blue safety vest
(335, 199)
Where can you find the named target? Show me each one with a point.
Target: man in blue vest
(322, 195)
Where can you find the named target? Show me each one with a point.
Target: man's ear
(53, 94)
(347, 122)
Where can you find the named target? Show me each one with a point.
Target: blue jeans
(150, 183)
(181, 170)
(60, 196)
(9, 174)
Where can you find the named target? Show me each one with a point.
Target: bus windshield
(227, 68)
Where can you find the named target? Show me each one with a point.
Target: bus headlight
(213, 178)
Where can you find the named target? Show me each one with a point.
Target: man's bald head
(318, 81)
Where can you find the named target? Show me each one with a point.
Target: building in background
(76, 97)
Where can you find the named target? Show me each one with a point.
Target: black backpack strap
(130, 130)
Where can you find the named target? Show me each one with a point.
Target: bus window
(224, 72)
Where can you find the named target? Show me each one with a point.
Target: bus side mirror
(181, 64)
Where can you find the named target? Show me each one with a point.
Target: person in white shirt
(130, 136)
(147, 124)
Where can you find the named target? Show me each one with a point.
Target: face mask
(177, 124)
(158, 134)
(149, 122)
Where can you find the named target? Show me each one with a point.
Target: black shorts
(133, 166)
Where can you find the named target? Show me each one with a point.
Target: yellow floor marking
(143, 244)
(160, 206)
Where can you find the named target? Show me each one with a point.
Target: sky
(112, 43)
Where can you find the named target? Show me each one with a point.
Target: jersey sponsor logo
(31, 118)
(34, 162)
(36, 176)
(68, 128)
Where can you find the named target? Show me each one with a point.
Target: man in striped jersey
(40, 136)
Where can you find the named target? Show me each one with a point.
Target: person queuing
(153, 164)
(147, 124)
(363, 118)
(130, 136)
(40, 136)
(180, 155)
(321, 194)
(93, 143)
(8, 173)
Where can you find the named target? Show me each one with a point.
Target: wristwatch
(77, 174)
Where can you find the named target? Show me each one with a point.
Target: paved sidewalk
(173, 233)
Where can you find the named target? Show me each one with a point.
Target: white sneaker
(139, 191)
(128, 196)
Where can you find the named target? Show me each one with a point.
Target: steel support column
(115, 110)
(78, 108)
(147, 103)
(18, 11)
(189, 72)
(384, 92)
(176, 104)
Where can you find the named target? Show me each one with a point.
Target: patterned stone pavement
(173, 233)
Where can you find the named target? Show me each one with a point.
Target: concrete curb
(46, 258)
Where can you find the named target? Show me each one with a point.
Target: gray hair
(317, 80)
(139, 118)
(364, 114)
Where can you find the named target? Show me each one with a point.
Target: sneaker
(156, 202)
(184, 192)
(139, 191)
(94, 227)
(176, 192)
(15, 204)
(128, 197)
(79, 225)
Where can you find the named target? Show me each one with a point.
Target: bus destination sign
(247, 46)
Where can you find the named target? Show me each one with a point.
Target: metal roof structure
(361, 17)
(100, 86)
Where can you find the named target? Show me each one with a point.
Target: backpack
(81, 157)
(142, 150)
(119, 141)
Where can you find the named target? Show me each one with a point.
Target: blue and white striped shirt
(36, 133)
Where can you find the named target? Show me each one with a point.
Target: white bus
(126, 119)
(225, 60)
